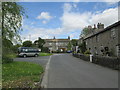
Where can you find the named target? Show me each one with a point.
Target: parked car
(69, 51)
(28, 51)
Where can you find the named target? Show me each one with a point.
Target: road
(66, 71)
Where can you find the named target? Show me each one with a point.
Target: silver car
(28, 51)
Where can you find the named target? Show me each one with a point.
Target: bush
(82, 47)
(15, 48)
(27, 43)
(87, 52)
(6, 59)
(45, 50)
(8, 55)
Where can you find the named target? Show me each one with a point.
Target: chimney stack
(100, 26)
(94, 26)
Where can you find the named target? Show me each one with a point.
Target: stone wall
(105, 40)
(111, 62)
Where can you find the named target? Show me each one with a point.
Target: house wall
(54, 45)
(118, 46)
(107, 38)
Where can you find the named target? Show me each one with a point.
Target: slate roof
(104, 30)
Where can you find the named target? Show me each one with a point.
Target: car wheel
(24, 55)
(36, 55)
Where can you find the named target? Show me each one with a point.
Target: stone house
(80, 41)
(105, 41)
(57, 44)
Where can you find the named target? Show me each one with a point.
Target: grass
(45, 54)
(0, 75)
(20, 74)
(12, 55)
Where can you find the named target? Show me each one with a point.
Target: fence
(111, 62)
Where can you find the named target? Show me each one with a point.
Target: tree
(12, 14)
(7, 46)
(6, 50)
(15, 48)
(45, 49)
(69, 46)
(74, 42)
(11, 20)
(82, 47)
(86, 31)
(27, 43)
(40, 42)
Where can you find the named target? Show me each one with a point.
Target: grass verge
(45, 54)
(12, 55)
(21, 75)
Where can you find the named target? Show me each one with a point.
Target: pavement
(66, 71)
(42, 60)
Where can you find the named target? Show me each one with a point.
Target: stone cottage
(105, 42)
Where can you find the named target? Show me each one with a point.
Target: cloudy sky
(63, 19)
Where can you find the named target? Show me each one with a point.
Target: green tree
(15, 48)
(27, 43)
(74, 42)
(11, 20)
(86, 31)
(82, 47)
(45, 49)
(12, 14)
(40, 42)
(6, 50)
(69, 46)
(7, 46)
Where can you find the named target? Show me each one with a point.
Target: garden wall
(111, 62)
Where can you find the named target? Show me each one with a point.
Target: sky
(63, 19)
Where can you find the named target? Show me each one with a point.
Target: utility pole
(29, 37)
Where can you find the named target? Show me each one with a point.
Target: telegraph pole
(29, 37)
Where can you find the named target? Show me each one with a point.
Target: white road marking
(45, 77)
(59, 54)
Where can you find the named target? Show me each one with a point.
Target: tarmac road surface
(66, 71)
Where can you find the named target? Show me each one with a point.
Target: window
(61, 43)
(57, 43)
(113, 33)
(50, 43)
(97, 38)
(25, 50)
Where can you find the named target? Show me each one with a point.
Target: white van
(28, 51)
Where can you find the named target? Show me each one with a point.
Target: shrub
(45, 49)
(87, 52)
(6, 59)
(82, 47)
